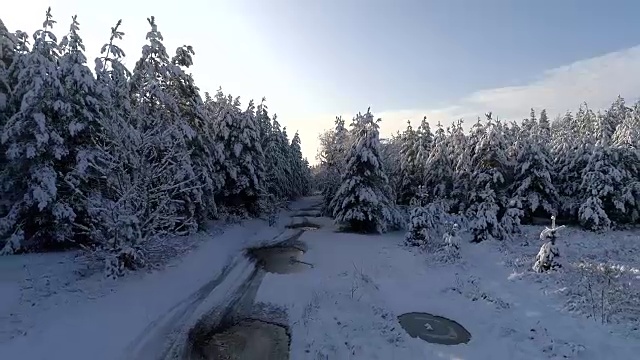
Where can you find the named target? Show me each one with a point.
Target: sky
(446, 59)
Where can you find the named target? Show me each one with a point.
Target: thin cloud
(598, 81)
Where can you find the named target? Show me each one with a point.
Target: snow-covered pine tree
(203, 151)
(332, 157)
(572, 144)
(613, 117)
(363, 202)
(253, 164)
(86, 106)
(438, 172)
(281, 150)
(239, 133)
(300, 168)
(390, 155)
(411, 175)
(424, 145)
(39, 216)
(603, 179)
(156, 106)
(8, 45)
(139, 194)
(487, 205)
(418, 228)
(462, 147)
(626, 141)
(533, 189)
(544, 125)
(274, 177)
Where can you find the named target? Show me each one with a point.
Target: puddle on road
(249, 340)
(434, 329)
(280, 259)
(305, 225)
(308, 214)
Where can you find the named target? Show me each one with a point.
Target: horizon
(441, 59)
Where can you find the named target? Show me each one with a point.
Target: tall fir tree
(363, 201)
(38, 216)
(411, 176)
(438, 173)
(533, 189)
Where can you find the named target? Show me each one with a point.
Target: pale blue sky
(404, 58)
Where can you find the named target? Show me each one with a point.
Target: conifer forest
(144, 217)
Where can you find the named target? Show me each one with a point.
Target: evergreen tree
(544, 125)
(411, 176)
(486, 200)
(300, 168)
(86, 105)
(203, 152)
(333, 160)
(438, 167)
(533, 189)
(156, 106)
(239, 133)
(461, 159)
(38, 214)
(424, 145)
(363, 200)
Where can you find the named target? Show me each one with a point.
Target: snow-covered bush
(605, 292)
(418, 228)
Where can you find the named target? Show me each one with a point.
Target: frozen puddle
(282, 259)
(434, 329)
(249, 340)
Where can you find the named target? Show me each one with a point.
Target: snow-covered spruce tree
(155, 105)
(571, 149)
(37, 156)
(544, 125)
(533, 189)
(277, 182)
(463, 147)
(613, 117)
(626, 142)
(203, 151)
(363, 202)
(139, 194)
(603, 179)
(418, 227)
(438, 173)
(8, 52)
(86, 106)
(411, 175)
(300, 168)
(239, 133)
(274, 175)
(281, 150)
(487, 206)
(390, 155)
(332, 159)
(424, 144)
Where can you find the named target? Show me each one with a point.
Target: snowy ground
(345, 307)
(54, 306)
